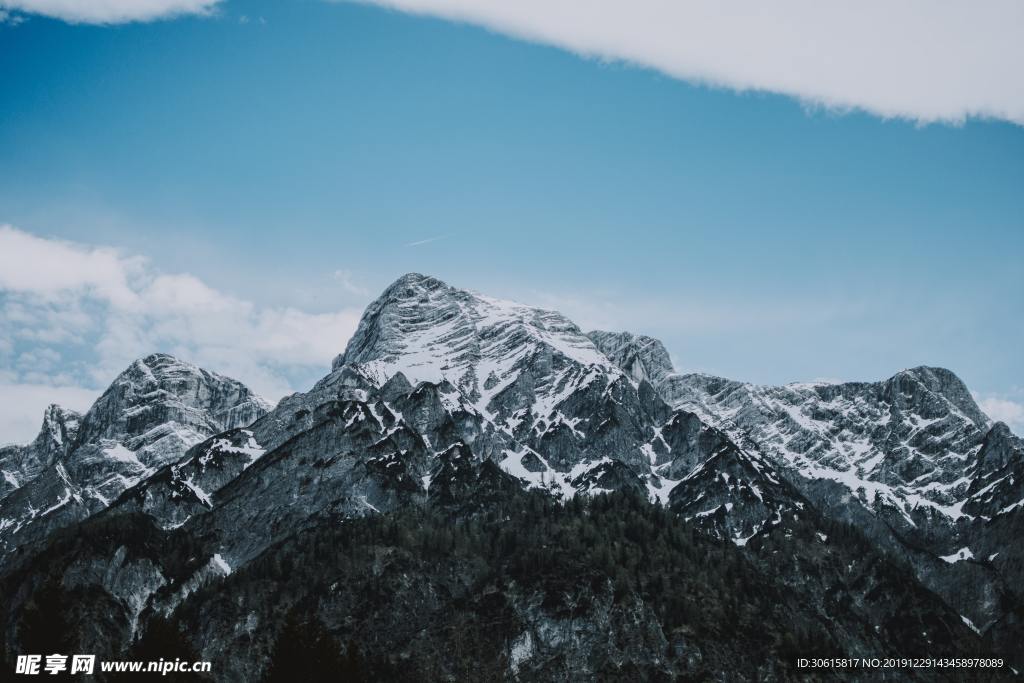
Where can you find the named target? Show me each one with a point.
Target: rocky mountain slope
(908, 444)
(912, 460)
(21, 464)
(445, 477)
(149, 416)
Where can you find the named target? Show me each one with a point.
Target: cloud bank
(922, 60)
(1004, 410)
(108, 11)
(72, 316)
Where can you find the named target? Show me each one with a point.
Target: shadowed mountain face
(478, 467)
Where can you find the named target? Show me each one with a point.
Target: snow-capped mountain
(502, 356)
(434, 371)
(909, 443)
(433, 366)
(150, 415)
(912, 461)
(453, 401)
(914, 450)
(557, 409)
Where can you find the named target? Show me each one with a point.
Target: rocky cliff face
(21, 464)
(458, 422)
(644, 358)
(908, 443)
(150, 416)
(160, 402)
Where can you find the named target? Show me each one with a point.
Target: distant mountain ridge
(916, 463)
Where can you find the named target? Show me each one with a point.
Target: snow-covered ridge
(908, 443)
(430, 331)
(916, 443)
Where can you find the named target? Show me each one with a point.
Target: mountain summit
(430, 331)
(149, 416)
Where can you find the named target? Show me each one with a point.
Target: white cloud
(47, 267)
(109, 308)
(915, 59)
(1004, 410)
(107, 11)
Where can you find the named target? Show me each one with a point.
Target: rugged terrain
(478, 489)
(150, 415)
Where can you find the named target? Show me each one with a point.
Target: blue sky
(278, 164)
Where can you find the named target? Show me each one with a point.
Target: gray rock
(21, 464)
(151, 414)
(644, 358)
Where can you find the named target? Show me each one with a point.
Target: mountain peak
(932, 374)
(160, 364)
(58, 413)
(60, 425)
(415, 280)
(152, 413)
(643, 357)
(945, 384)
(159, 389)
(56, 434)
(430, 331)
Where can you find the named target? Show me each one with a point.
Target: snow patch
(120, 453)
(202, 495)
(522, 651)
(218, 562)
(960, 555)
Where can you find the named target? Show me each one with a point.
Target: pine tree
(306, 652)
(164, 640)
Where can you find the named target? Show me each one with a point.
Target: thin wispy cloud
(916, 59)
(107, 11)
(427, 240)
